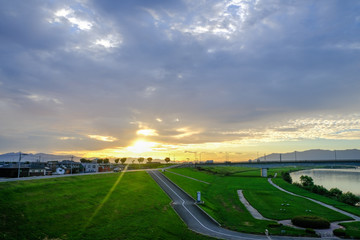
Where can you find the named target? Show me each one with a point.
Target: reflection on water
(344, 179)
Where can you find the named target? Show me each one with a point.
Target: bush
(310, 222)
(306, 181)
(286, 176)
(320, 190)
(335, 192)
(349, 198)
(310, 230)
(275, 225)
(339, 232)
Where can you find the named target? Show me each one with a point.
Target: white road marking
(183, 204)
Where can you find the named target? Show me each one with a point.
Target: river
(343, 179)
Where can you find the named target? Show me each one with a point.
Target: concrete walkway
(197, 220)
(324, 233)
(255, 213)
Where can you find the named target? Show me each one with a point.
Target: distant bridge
(303, 163)
(278, 164)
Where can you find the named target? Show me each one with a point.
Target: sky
(221, 80)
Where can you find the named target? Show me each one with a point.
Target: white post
(198, 196)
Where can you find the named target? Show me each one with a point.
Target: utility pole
(72, 157)
(20, 154)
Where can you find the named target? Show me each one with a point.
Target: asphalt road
(197, 220)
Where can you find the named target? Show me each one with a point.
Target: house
(37, 169)
(71, 167)
(90, 167)
(104, 168)
(10, 170)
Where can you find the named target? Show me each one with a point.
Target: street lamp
(20, 154)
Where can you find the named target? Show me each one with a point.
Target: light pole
(20, 154)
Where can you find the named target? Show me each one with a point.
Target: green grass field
(352, 229)
(89, 207)
(222, 202)
(303, 192)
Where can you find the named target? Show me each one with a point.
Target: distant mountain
(314, 154)
(42, 157)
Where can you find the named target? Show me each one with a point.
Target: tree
(99, 160)
(286, 176)
(349, 198)
(123, 160)
(83, 160)
(306, 181)
(149, 159)
(335, 192)
(106, 160)
(117, 160)
(140, 160)
(167, 160)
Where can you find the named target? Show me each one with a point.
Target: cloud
(68, 14)
(147, 132)
(195, 72)
(103, 138)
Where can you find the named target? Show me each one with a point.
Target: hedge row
(310, 222)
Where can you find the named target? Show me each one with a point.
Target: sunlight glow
(106, 198)
(142, 146)
(147, 132)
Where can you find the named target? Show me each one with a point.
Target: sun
(141, 146)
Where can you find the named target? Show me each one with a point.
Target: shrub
(310, 222)
(286, 176)
(349, 198)
(335, 192)
(275, 225)
(339, 232)
(306, 181)
(310, 230)
(320, 190)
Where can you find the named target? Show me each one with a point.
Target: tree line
(122, 160)
(306, 182)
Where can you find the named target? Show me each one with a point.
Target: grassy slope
(303, 192)
(352, 229)
(62, 208)
(221, 199)
(272, 203)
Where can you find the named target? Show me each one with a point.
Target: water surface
(344, 179)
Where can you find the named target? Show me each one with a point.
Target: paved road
(196, 219)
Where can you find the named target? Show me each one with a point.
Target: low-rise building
(90, 167)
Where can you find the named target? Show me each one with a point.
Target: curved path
(255, 213)
(357, 218)
(196, 219)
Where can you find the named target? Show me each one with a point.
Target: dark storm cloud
(205, 64)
